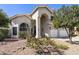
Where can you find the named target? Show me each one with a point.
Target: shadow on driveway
(74, 42)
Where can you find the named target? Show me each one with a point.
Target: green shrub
(23, 34)
(33, 43)
(40, 43)
(61, 46)
(3, 34)
(37, 43)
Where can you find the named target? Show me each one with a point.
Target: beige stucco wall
(46, 21)
(37, 15)
(19, 20)
(42, 11)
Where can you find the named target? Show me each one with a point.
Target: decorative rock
(46, 35)
(5, 53)
(24, 48)
(1, 53)
(45, 50)
(50, 48)
(55, 53)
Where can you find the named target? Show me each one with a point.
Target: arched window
(23, 27)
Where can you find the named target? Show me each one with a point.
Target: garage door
(62, 33)
(53, 33)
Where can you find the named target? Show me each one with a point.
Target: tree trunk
(57, 32)
(69, 33)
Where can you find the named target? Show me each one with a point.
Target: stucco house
(38, 23)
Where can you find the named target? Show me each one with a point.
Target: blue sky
(13, 9)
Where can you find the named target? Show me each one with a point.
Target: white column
(38, 32)
(17, 31)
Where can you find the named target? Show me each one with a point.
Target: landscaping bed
(15, 48)
(20, 48)
(46, 46)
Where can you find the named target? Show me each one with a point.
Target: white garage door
(53, 33)
(62, 33)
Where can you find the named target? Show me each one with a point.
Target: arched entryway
(33, 29)
(44, 26)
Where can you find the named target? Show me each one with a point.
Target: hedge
(3, 34)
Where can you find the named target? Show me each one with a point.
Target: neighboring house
(38, 23)
(76, 31)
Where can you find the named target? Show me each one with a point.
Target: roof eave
(41, 7)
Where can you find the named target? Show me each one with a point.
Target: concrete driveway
(76, 38)
(73, 48)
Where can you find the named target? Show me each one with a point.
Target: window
(23, 27)
(51, 18)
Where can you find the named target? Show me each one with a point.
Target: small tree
(67, 17)
(56, 22)
(4, 20)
